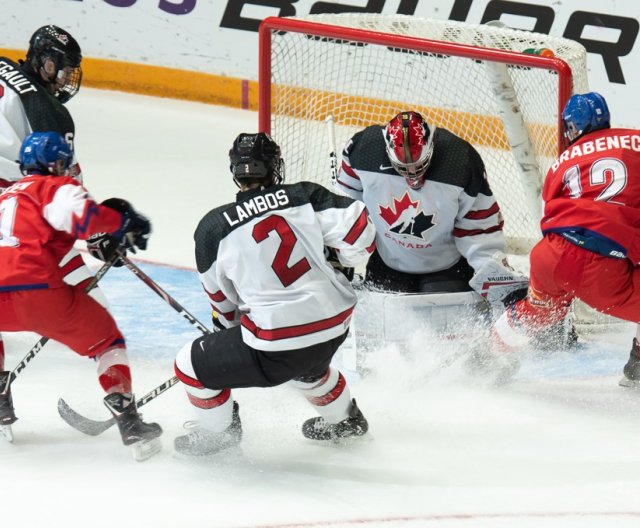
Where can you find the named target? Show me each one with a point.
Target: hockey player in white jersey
(283, 308)
(436, 218)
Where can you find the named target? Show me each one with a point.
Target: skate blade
(7, 432)
(629, 384)
(145, 449)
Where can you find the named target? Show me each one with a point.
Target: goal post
(361, 69)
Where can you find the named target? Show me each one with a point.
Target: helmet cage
(56, 53)
(409, 144)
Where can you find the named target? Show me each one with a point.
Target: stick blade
(81, 423)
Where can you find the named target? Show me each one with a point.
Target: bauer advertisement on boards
(219, 37)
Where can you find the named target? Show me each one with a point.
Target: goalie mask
(55, 56)
(45, 153)
(409, 143)
(255, 158)
(584, 113)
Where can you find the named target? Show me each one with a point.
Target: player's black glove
(103, 246)
(332, 258)
(136, 228)
(215, 319)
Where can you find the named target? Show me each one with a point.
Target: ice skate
(7, 415)
(142, 436)
(201, 442)
(632, 368)
(319, 429)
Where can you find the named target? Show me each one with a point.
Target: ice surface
(556, 448)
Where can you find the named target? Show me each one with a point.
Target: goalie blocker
(498, 283)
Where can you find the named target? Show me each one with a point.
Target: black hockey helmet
(255, 158)
(55, 55)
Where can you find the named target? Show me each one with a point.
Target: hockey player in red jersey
(591, 227)
(33, 93)
(284, 308)
(436, 218)
(41, 217)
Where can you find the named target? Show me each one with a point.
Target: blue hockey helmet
(41, 151)
(584, 113)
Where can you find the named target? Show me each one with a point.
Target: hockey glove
(332, 258)
(136, 227)
(102, 246)
(495, 280)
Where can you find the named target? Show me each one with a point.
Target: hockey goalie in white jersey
(440, 254)
(439, 226)
(283, 308)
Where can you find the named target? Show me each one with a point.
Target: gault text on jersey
(16, 79)
(256, 205)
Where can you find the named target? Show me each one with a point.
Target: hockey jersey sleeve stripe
(459, 233)
(229, 316)
(484, 213)
(217, 296)
(83, 284)
(371, 248)
(72, 265)
(287, 332)
(357, 229)
(348, 170)
(340, 182)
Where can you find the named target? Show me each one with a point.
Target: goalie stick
(95, 427)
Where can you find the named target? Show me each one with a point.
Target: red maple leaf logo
(391, 214)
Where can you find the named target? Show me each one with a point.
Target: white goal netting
(359, 83)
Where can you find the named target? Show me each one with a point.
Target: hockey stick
(44, 340)
(163, 294)
(95, 427)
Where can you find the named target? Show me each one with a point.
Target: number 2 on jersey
(8, 209)
(287, 274)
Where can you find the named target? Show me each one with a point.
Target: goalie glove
(497, 282)
(103, 246)
(331, 255)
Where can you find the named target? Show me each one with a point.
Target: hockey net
(474, 80)
(362, 69)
